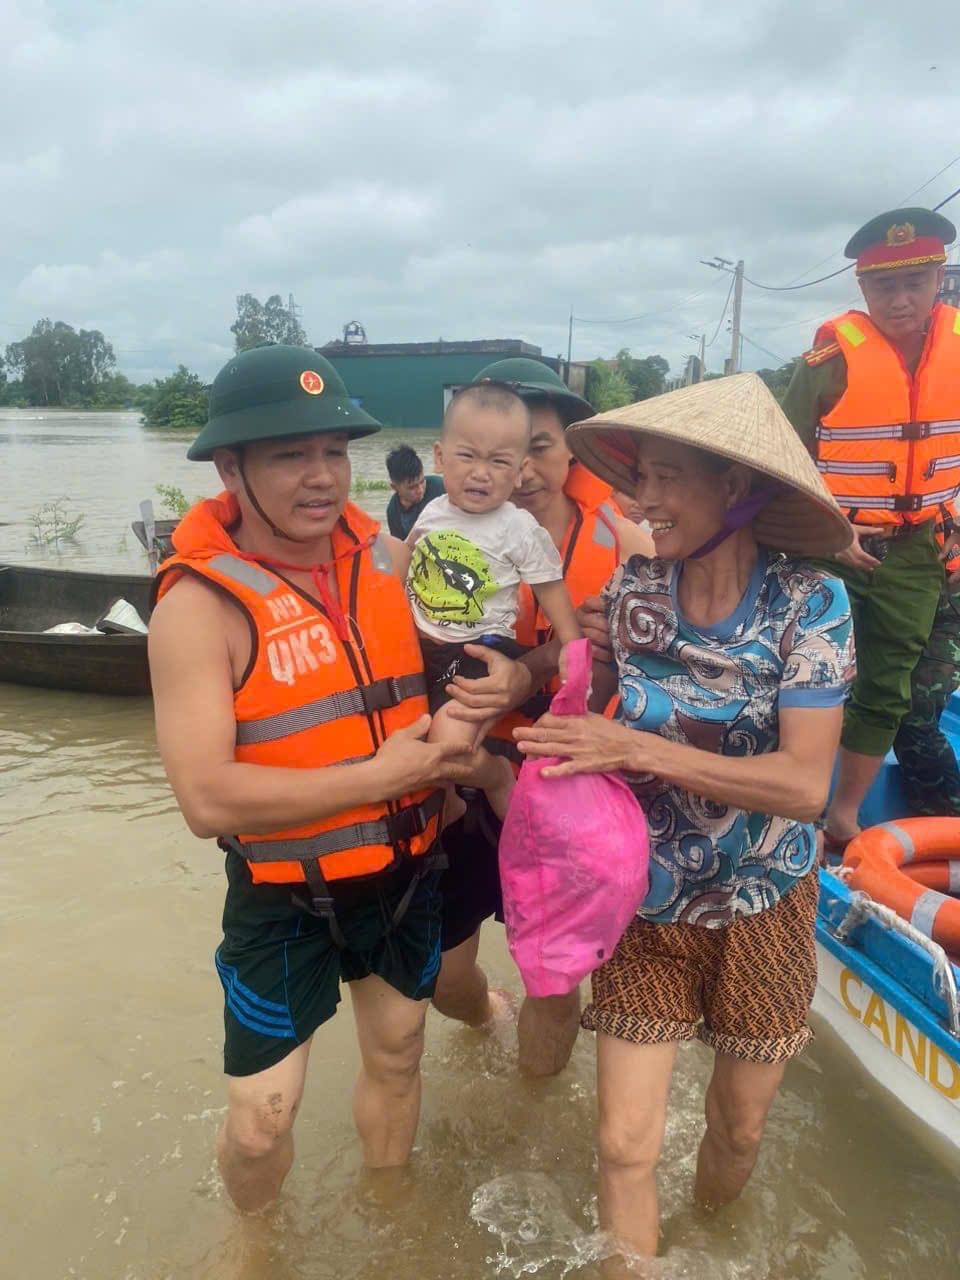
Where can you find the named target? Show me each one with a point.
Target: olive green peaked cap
(533, 379)
(272, 391)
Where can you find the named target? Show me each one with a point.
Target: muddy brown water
(110, 1057)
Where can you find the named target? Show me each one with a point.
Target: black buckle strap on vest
(414, 819)
(430, 862)
(388, 692)
(323, 906)
(915, 431)
(908, 502)
(321, 902)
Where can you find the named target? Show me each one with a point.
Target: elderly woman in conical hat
(733, 659)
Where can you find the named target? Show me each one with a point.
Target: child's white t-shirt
(466, 569)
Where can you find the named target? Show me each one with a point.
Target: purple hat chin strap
(740, 514)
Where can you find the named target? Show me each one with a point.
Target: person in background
(574, 508)
(732, 661)
(412, 490)
(877, 404)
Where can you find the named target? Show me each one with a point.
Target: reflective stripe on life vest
(882, 446)
(312, 698)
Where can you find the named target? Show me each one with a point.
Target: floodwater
(110, 1058)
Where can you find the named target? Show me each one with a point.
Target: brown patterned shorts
(745, 990)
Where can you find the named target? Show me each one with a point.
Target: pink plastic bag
(574, 859)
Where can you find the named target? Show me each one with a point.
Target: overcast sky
(457, 170)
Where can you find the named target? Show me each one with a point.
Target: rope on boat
(944, 980)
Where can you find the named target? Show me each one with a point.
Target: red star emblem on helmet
(311, 382)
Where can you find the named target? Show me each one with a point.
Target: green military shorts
(281, 970)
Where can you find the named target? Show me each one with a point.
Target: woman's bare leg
(633, 1083)
(737, 1104)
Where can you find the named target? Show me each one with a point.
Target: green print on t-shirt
(450, 577)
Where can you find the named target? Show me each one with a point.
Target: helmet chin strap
(277, 532)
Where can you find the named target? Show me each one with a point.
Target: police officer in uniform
(877, 402)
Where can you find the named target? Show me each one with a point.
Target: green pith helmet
(531, 379)
(272, 391)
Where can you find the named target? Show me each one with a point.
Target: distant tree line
(57, 366)
(626, 379)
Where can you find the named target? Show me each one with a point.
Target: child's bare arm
(553, 599)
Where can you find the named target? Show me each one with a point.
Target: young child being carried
(470, 550)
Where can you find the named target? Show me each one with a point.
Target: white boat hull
(890, 1047)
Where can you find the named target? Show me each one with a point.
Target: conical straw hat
(736, 418)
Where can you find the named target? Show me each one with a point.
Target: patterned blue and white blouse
(789, 643)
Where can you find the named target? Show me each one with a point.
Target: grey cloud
(434, 168)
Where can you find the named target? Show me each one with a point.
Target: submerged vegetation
(53, 523)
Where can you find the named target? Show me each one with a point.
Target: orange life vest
(311, 699)
(889, 451)
(590, 553)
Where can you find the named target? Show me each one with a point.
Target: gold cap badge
(901, 233)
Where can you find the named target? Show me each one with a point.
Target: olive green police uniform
(894, 606)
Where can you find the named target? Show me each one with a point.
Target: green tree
(779, 379)
(268, 321)
(116, 391)
(178, 401)
(647, 375)
(607, 387)
(57, 365)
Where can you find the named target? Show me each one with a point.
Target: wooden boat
(162, 536)
(32, 599)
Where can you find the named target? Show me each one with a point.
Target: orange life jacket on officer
(889, 450)
(311, 698)
(590, 553)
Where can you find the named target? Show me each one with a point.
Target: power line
(788, 288)
(766, 351)
(723, 314)
(903, 200)
(948, 165)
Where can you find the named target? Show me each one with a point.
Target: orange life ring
(906, 865)
(943, 876)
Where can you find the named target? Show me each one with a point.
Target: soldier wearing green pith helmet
(291, 712)
(877, 402)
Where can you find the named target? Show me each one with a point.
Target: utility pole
(702, 339)
(569, 347)
(732, 364)
(736, 345)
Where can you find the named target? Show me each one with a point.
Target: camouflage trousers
(926, 758)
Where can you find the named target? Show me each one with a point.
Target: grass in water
(53, 524)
